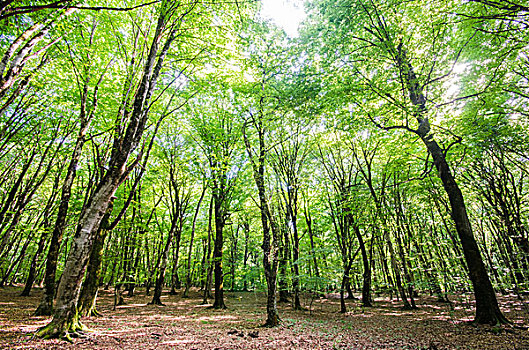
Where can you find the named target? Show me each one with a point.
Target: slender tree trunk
(208, 262)
(233, 258)
(270, 242)
(284, 258)
(366, 277)
(35, 262)
(191, 242)
(217, 252)
(308, 220)
(246, 226)
(158, 287)
(296, 280)
(346, 271)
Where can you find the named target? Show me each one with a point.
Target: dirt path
(184, 324)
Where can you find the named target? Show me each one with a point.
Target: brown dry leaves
(184, 324)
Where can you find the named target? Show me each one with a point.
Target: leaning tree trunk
(88, 296)
(65, 316)
(46, 305)
(487, 309)
(35, 262)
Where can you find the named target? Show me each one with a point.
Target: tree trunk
(284, 258)
(88, 296)
(66, 318)
(366, 277)
(207, 257)
(45, 307)
(345, 276)
(163, 264)
(217, 252)
(269, 244)
(191, 241)
(487, 309)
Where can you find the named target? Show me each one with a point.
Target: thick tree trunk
(65, 316)
(487, 309)
(88, 296)
(46, 305)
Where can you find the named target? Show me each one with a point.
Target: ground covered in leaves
(185, 324)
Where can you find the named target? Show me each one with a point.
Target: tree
(218, 136)
(404, 92)
(65, 317)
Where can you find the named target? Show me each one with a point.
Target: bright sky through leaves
(287, 14)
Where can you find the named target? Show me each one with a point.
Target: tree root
(62, 330)
(94, 312)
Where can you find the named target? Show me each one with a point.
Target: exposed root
(93, 312)
(62, 330)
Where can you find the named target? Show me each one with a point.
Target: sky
(287, 14)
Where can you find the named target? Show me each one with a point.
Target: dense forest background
(191, 144)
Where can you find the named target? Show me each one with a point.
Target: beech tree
(127, 138)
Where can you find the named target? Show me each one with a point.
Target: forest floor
(185, 324)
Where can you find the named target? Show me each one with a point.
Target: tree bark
(217, 251)
(191, 242)
(88, 296)
(366, 276)
(487, 308)
(270, 241)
